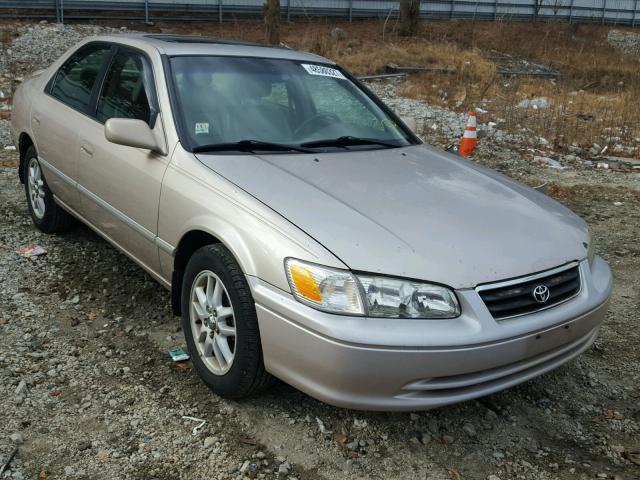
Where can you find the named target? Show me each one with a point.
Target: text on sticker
(323, 71)
(202, 128)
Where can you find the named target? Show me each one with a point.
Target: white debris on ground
(535, 103)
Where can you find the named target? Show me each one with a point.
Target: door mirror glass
(132, 133)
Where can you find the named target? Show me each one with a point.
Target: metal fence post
(62, 12)
(571, 11)
(604, 10)
(351, 10)
(146, 11)
(495, 10)
(635, 12)
(288, 10)
(220, 11)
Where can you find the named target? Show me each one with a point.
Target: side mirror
(133, 133)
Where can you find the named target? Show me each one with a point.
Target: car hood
(414, 212)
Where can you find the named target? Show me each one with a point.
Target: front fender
(194, 198)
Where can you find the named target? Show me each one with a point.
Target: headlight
(398, 298)
(324, 288)
(340, 291)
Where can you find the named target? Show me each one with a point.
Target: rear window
(76, 78)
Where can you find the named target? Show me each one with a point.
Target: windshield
(259, 101)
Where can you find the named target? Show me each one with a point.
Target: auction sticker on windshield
(323, 71)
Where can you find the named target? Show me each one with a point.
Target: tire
(208, 325)
(47, 215)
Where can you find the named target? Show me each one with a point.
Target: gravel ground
(87, 389)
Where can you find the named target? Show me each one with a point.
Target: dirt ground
(88, 391)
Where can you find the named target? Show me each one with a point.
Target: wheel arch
(191, 241)
(24, 142)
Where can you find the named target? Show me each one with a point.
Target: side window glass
(77, 76)
(123, 94)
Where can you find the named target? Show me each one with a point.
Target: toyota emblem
(541, 293)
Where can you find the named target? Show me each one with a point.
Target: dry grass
(593, 100)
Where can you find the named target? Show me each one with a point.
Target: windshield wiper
(249, 146)
(346, 141)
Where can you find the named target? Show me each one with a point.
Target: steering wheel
(324, 117)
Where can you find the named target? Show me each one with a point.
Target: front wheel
(220, 324)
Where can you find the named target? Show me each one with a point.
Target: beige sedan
(303, 230)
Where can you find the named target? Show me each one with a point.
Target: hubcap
(212, 322)
(36, 188)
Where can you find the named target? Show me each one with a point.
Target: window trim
(49, 86)
(148, 81)
(91, 109)
(174, 100)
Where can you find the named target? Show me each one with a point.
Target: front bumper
(408, 364)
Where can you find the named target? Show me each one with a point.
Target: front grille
(510, 299)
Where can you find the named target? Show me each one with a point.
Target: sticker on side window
(202, 128)
(323, 71)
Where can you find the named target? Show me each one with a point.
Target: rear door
(119, 185)
(62, 111)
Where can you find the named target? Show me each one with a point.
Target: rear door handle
(36, 118)
(86, 148)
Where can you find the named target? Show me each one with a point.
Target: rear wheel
(220, 324)
(46, 214)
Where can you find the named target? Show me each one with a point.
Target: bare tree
(271, 12)
(409, 16)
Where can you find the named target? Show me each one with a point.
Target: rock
(448, 439)
(210, 442)
(359, 424)
(470, 430)
(433, 426)
(284, 469)
(83, 445)
(530, 445)
(17, 438)
(21, 387)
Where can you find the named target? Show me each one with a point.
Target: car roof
(175, 45)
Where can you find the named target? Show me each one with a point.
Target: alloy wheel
(212, 322)
(36, 188)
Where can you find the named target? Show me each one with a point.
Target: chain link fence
(616, 12)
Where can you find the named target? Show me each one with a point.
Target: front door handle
(36, 118)
(86, 148)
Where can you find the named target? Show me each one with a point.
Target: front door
(120, 186)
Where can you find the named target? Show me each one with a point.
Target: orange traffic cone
(470, 137)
